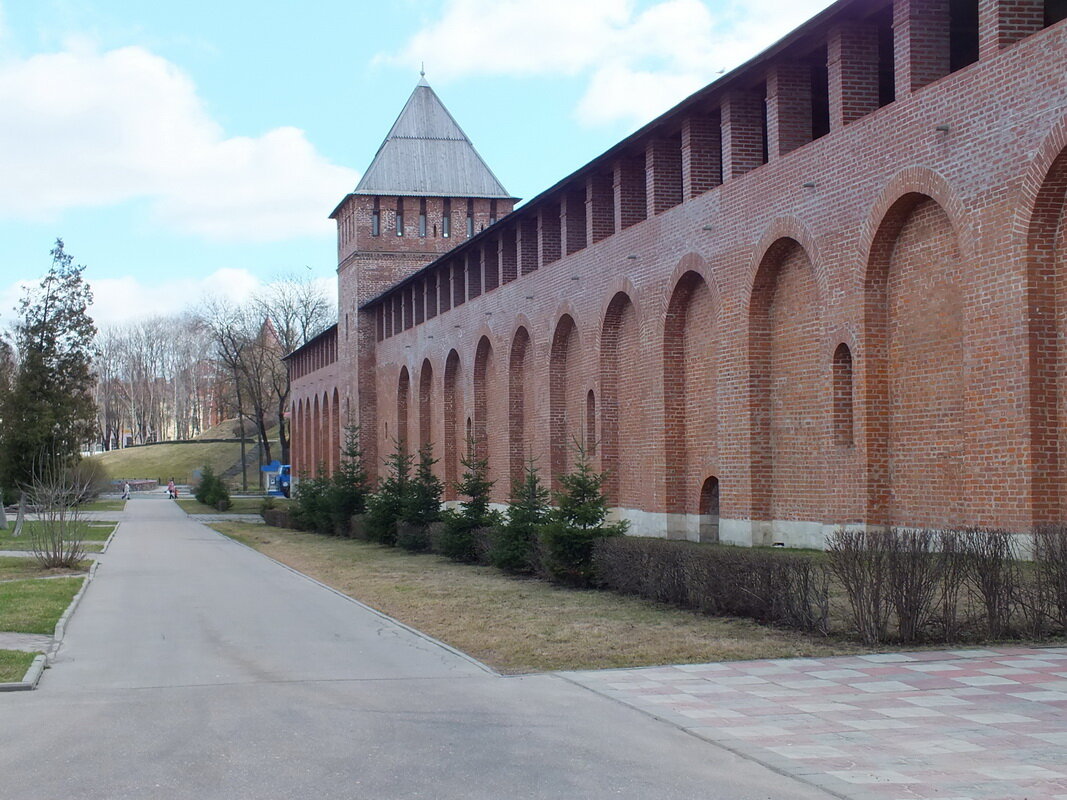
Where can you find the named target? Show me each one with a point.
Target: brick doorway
(709, 510)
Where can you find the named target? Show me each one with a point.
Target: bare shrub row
(915, 585)
(778, 587)
(895, 586)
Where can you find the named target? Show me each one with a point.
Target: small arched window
(590, 424)
(842, 412)
(709, 510)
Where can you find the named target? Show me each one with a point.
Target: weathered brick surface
(852, 61)
(926, 236)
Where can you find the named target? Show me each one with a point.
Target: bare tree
(110, 390)
(56, 535)
(7, 364)
(156, 379)
(298, 311)
(226, 325)
(162, 378)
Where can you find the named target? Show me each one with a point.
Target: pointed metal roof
(427, 153)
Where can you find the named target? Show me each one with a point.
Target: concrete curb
(61, 625)
(107, 542)
(33, 674)
(424, 636)
(30, 679)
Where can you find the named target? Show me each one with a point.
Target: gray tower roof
(427, 153)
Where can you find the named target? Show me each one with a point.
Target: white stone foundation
(741, 532)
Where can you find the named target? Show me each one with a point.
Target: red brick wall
(786, 383)
(627, 400)
(926, 442)
(923, 235)
(313, 443)
(1054, 464)
(1047, 252)
(426, 409)
(521, 377)
(690, 391)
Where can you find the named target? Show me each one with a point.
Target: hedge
(786, 588)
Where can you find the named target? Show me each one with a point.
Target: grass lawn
(35, 606)
(104, 505)
(93, 534)
(520, 625)
(238, 505)
(14, 568)
(13, 665)
(165, 461)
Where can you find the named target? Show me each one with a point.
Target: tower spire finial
(422, 70)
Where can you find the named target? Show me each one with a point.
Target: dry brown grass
(517, 625)
(15, 568)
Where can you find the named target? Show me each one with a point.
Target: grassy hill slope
(166, 461)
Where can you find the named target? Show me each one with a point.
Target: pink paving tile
(933, 666)
(1057, 738)
(836, 674)
(985, 680)
(1015, 772)
(805, 752)
(824, 708)
(908, 712)
(1026, 663)
(933, 721)
(872, 776)
(881, 686)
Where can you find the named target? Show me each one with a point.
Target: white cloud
(86, 128)
(119, 300)
(514, 37)
(637, 62)
(618, 92)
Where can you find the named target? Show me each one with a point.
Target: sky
(193, 149)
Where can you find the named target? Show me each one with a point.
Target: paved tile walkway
(959, 725)
(254, 519)
(32, 642)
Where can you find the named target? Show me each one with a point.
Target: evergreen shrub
(346, 496)
(310, 508)
(385, 508)
(421, 505)
(577, 522)
(212, 490)
(460, 538)
(513, 543)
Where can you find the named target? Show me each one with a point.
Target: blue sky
(184, 148)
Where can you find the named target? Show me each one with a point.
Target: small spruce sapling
(385, 508)
(513, 546)
(422, 506)
(574, 525)
(459, 541)
(349, 487)
(310, 509)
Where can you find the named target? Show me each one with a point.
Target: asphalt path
(197, 668)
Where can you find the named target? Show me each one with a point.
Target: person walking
(126, 490)
(172, 490)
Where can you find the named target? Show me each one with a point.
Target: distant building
(831, 287)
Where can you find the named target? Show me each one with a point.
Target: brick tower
(426, 191)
